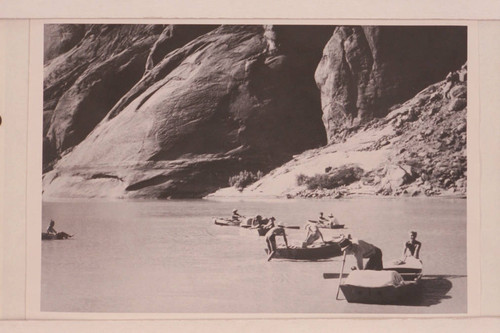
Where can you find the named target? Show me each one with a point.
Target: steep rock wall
(365, 70)
(83, 83)
(238, 97)
(60, 38)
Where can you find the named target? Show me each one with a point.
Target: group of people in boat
(271, 229)
(360, 249)
(327, 222)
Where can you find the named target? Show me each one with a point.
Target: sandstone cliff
(237, 97)
(82, 84)
(366, 70)
(136, 111)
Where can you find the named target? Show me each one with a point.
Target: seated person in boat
(322, 220)
(50, 229)
(236, 216)
(363, 250)
(332, 220)
(271, 239)
(412, 247)
(313, 233)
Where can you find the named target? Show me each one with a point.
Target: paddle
(340, 276)
(292, 227)
(333, 275)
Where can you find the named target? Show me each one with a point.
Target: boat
(378, 287)
(314, 252)
(328, 225)
(331, 226)
(396, 283)
(227, 222)
(59, 235)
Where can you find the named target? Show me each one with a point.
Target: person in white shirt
(313, 233)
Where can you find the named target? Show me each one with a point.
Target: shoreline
(249, 198)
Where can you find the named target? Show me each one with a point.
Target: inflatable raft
(227, 222)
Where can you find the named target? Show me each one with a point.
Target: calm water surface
(169, 257)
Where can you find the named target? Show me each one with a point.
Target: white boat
(377, 287)
(396, 283)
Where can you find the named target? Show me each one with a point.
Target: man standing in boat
(363, 250)
(313, 233)
(279, 230)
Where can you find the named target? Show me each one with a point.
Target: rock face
(418, 149)
(235, 98)
(60, 38)
(82, 84)
(167, 111)
(365, 70)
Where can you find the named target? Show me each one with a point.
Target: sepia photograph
(254, 169)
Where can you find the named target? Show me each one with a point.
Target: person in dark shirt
(412, 247)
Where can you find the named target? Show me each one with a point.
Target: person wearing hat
(278, 230)
(236, 216)
(363, 250)
(313, 233)
(412, 247)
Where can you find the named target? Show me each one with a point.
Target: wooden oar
(340, 276)
(333, 275)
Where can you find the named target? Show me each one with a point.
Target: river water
(169, 257)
